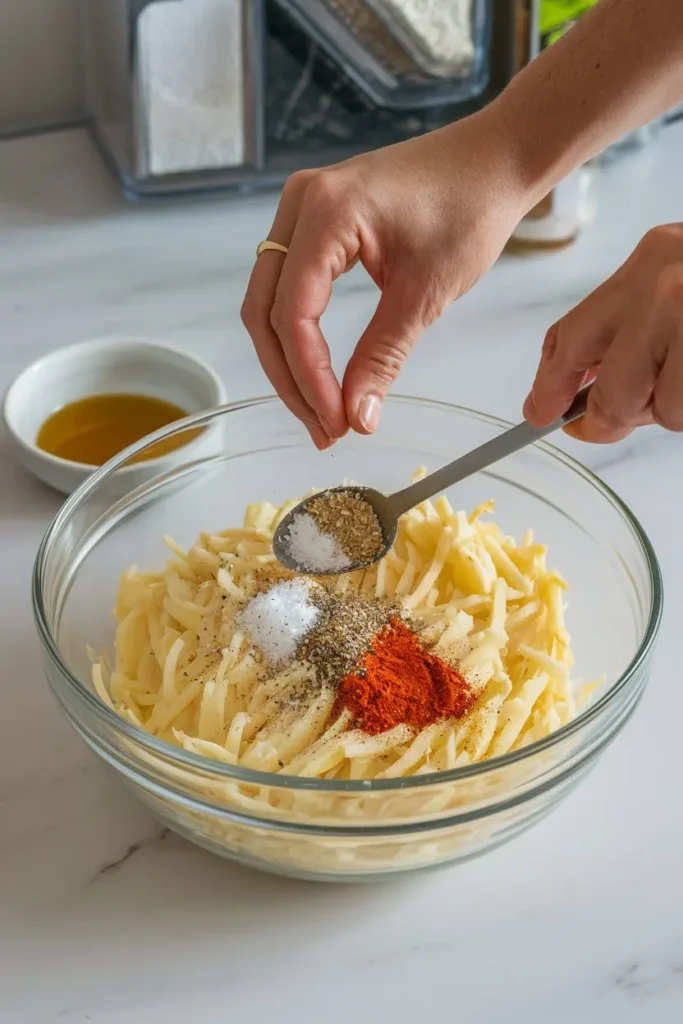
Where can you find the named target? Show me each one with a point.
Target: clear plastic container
(174, 91)
(403, 53)
(237, 110)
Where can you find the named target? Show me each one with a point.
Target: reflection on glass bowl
(327, 829)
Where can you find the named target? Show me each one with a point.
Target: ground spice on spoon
(351, 521)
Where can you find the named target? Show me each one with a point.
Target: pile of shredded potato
(184, 672)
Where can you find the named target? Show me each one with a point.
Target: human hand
(426, 218)
(628, 335)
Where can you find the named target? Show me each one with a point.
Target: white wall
(39, 59)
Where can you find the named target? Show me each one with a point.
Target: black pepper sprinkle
(343, 634)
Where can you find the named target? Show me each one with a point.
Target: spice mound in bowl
(451, 649)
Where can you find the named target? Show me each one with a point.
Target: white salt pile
(277, 619)
(313, 550)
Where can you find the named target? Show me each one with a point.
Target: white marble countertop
(106, 920)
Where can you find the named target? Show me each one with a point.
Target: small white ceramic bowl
(108, 366)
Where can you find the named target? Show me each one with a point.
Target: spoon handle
(492, 451)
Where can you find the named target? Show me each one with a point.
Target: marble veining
(106, 916)
(142, 844)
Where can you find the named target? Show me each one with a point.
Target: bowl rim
(88, 348)
(223, 771)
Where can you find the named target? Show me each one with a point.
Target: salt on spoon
(319, 552)
(388, 508)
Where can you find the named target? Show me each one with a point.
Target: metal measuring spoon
(390, 507)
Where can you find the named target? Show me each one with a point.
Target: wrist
(533, 164)
(521, 178)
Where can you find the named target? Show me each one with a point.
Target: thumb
(570, 359)
(573, 349)
(379, 355)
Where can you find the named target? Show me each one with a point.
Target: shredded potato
(183, 672)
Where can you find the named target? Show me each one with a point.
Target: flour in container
(191, 67)
(412, 37)
(441, 31)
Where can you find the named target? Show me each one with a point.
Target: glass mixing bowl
(326, 829)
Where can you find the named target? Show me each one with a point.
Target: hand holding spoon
(390, 507)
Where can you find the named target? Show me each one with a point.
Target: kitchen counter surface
(107, 919)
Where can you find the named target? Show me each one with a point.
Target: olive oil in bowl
(94, 429)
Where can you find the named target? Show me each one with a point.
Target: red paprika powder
(399, 682)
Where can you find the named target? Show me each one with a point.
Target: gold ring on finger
(268, 245)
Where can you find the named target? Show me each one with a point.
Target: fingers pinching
(256, 315)
(379, 355)
(323, 245)
(303, 293)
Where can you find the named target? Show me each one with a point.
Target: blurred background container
(190, 96)
(185, 96)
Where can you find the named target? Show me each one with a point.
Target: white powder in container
(441, 28)
(279, 618)
(313, 550)
(191, 67)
